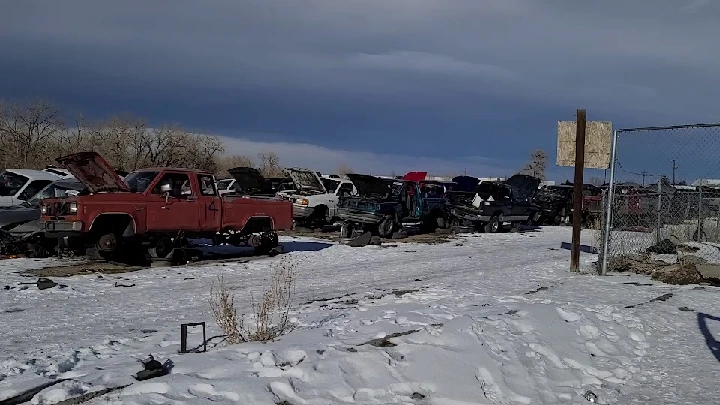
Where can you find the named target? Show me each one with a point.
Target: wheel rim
(107, 243)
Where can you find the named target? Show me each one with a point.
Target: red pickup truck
(158, 208)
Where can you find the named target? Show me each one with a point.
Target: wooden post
(578, 190)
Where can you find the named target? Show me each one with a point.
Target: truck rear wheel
(267, 242)
(346, 230)
(386, 226)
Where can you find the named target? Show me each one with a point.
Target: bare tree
(344, 170)
(223, 163)
(27, 130)
(269, 164)
(536, 166)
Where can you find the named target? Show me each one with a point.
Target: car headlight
(73, 208)
(43, 209)
(302, 201)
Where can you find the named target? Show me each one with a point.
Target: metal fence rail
(664, 184)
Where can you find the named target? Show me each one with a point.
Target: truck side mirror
(166, 189)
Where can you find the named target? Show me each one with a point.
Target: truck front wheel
(494, 224)
(386, 226)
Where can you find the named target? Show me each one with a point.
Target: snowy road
(516, 328)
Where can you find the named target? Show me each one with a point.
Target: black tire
(346, 230)
(386, 226)
(493, 226)
(163, 248)
(270, 239)
(441, 222)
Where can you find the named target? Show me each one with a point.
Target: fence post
(700, 206)
(658, 225)
(608, 208)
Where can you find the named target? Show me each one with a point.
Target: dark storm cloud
(323, 70)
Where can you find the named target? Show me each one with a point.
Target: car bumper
(302, 211)
(59, 229)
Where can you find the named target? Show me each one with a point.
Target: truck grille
(58, 208)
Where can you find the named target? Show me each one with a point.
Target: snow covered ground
(485, 319)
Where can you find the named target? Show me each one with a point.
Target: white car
(315, 198)
(18, 185)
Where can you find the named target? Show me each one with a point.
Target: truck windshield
(138, 182)
(11, 183)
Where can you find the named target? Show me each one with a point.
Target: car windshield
(138, 182)
(330, 184)
(224, 184)
(50, 191)
(11, 183)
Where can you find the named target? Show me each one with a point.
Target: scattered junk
(690, 264)
(591, 396)
(45, 283)
(583, 248)
(360, 241)
(664, 247)
(151, 369)
(184, 335)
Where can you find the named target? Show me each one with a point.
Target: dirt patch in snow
(681, 273)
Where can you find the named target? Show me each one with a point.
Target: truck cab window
(178, 182)
(207, 185)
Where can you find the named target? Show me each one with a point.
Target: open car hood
(370, 185)
(248, 178)
(465, 183)
(93, 171)
(305, 179)
(415, 176)
(525, 186)
(524, 182)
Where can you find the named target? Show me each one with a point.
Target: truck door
(521, 206)
(209, 204)
(178, 209)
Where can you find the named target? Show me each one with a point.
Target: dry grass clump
(269, 319)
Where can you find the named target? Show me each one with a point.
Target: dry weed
(270, 314)
(222, 307)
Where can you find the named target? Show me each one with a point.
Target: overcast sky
(470, 85)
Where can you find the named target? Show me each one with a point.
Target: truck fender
(120, 223)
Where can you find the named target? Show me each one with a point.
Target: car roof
(35, 174)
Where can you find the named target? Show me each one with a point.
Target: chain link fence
(666, 188)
